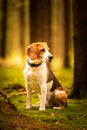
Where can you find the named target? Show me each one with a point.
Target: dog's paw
(58, 108)
(41, 108)
(28, 107)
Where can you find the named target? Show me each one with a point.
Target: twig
(20, 93)
(8, 99)
(4, 95)
(23, 93)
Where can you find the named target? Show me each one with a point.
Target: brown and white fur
(39, 77)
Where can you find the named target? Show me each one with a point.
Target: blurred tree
(40, 20)
(61, 28)
(55, 30)
(4, 31)
(27, 23)
(14, 27)
(0, 24)
(67, 34)
(79, 86)
(22, 22)
(65, 31)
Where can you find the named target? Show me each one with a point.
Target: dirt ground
(11, 119)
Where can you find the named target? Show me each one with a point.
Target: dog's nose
(50, 57)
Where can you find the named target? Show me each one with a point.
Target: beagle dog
(39, 77)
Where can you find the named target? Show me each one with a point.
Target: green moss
(73, 117)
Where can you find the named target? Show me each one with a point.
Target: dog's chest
(35, 76)
(38, 74)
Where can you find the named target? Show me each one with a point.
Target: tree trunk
(4, 25)
(67, 13)
(61, 13)
(22, 23)
(40, 20)
(79, 87)
(27, 23)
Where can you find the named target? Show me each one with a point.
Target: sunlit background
(24, 21)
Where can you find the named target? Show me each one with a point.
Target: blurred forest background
(60, 23)
(25, 21)
(63, 25)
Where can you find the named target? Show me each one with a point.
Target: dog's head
(39, 51)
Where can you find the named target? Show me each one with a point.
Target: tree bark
(40, 21)
(4, 25)
(22, 24)
(79, 86)
(67, 13)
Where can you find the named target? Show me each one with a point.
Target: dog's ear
(27, 50)
(45, 43)
(31, 52)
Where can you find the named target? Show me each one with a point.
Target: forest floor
(14, 116)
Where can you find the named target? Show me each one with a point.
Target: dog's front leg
(43, 97)
(29, 92)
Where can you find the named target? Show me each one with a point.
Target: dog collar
(32, 64)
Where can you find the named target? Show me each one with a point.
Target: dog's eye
(42, 50)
